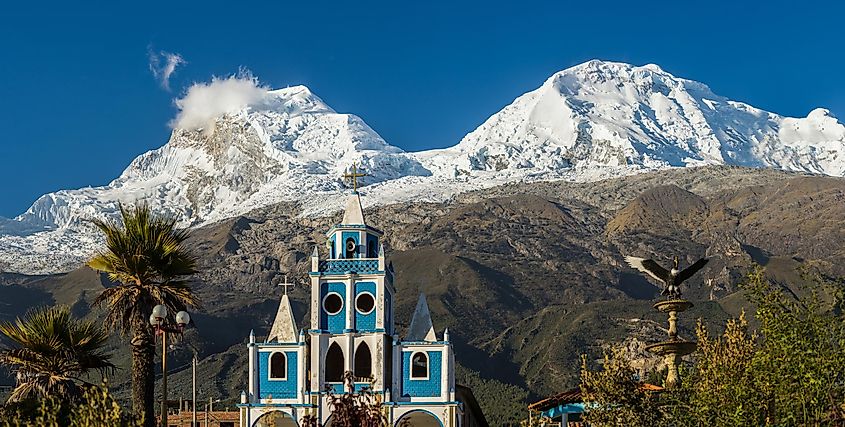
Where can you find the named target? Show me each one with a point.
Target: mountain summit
(608, 114)
(588, 122)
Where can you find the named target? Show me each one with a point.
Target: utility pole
(158, 319)
(194, 394)
(164, 379)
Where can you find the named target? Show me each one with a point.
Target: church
(352, 330)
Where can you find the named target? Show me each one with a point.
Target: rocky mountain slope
(527, 277)
(589, 122)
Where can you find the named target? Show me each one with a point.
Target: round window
(365, 303)
(333, 303)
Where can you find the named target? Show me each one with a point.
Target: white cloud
(163, 64)
(203, 102)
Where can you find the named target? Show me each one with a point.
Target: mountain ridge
(592, 121)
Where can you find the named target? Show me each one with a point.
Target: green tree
(147, 255)
(614, 396)
(721, 389)
(51, 352)
(790, 372)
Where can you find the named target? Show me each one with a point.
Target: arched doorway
(334, 365)
(363, 361)
(275, 419)
(419, 418)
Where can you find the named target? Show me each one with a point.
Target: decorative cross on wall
(353, 174)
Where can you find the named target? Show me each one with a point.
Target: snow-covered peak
(294, 100)
(278, 146)
(237, 146)
(600, 115)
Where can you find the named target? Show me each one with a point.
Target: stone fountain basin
(673, 305)
(664, 348)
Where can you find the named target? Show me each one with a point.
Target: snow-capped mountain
(591, 121)
(601, 114)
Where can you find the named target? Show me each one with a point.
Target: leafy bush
(96, 408)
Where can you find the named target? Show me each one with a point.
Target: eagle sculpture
(671, 279)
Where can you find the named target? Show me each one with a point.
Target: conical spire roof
(421, 327)
(284, 327)
(354, 213)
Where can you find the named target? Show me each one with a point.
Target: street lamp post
(158, 319)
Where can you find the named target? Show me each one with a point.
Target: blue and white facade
(352, 330)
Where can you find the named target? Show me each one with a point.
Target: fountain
(674, 348)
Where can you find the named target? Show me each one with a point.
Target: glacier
(593, 121)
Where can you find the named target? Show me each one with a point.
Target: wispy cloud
(163, 64)
(203, 102)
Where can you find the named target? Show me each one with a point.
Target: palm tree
(148, 258)
(51, 352)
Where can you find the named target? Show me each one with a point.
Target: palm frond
(49, 349)
(147, 255)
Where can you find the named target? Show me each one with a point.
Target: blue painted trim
(357, 227)
(348, 273)
(569, 408)
(349, 265)
(323, 392)
(280, 344)
(424, 342)
(275, 405)
(421, 403)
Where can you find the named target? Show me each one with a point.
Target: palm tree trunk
(143, 374)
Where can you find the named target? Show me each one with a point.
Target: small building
(566, 409)
(563, 409)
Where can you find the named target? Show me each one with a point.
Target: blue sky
(78, 100)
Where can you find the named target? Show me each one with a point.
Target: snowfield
(589, 122)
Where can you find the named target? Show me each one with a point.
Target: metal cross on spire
(353, 174)
(286, 284)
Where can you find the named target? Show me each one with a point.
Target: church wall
(273, 388)
(430, 387)
(366, 322)
(335, 323)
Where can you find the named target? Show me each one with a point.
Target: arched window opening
(334, 364)
(363, 362)
(372, 250)
(419, 366)
(350, 248)
(278, 366)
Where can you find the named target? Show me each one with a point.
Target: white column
(381, 306)
(444, 373)
(300, 375)
(350, 352)
(350, 303)
(253, 368)
(315, 303)
(397, 370)
(317, 351)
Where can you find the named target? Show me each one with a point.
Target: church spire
(354, 213)
(284, 326)
(421, 327)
